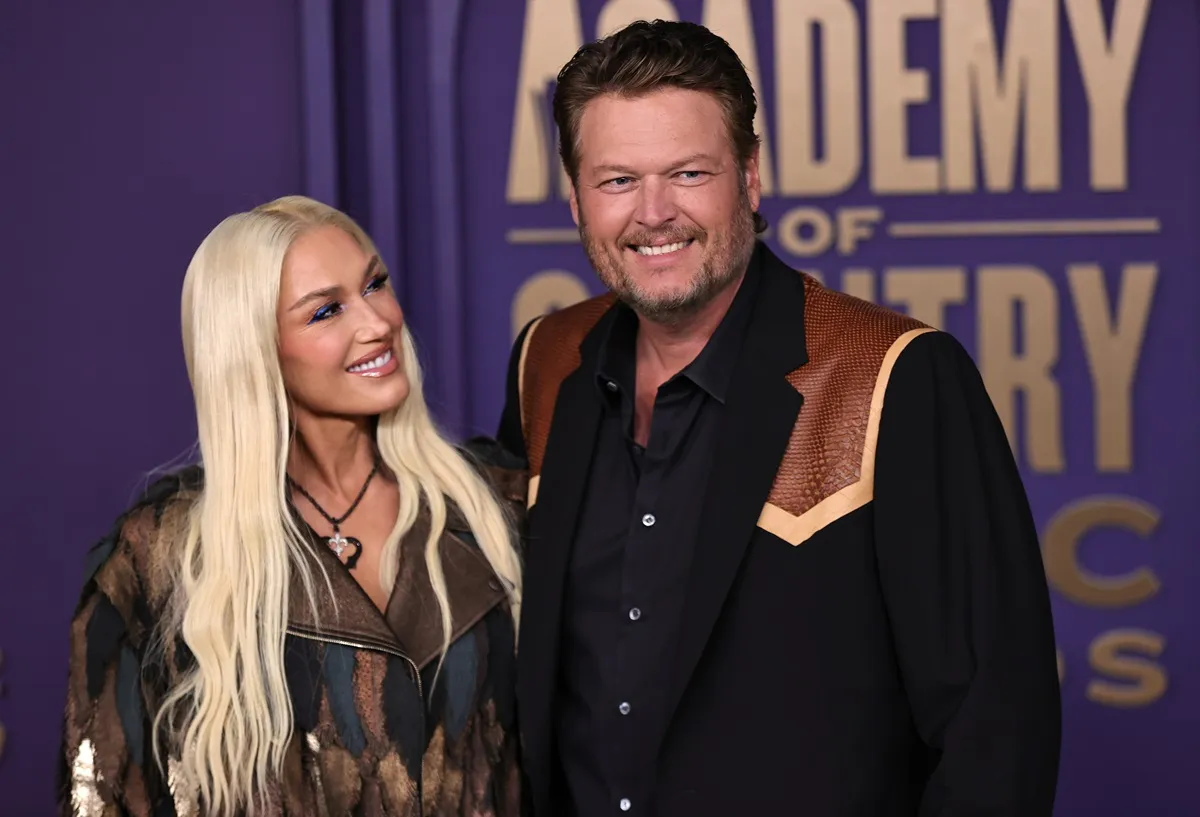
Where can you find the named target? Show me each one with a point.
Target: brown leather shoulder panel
(851, 345)
(551, 353)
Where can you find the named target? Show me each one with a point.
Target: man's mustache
(644, 238)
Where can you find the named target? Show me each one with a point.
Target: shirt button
(625, 804)
(612, 385)
(624, 708)
(648, 520)
(635, 614)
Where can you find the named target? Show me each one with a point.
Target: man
(780, 560)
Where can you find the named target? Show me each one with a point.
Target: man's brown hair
(648, 56)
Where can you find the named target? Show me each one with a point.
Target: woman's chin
(381, 398)
(389, 399)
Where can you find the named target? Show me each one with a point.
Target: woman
(319, 619)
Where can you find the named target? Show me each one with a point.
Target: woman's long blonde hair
(231, 716)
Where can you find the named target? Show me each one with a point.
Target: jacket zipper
(416, 674)
(359, 645)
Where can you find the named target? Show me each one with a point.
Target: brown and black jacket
(373, 735)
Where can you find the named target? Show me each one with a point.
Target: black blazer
(899, 661)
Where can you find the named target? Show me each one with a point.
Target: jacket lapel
(471, 584)
(762, 408)
(411, 625)
(344, 612)
(552, 522)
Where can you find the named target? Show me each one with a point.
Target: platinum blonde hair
(230, 718)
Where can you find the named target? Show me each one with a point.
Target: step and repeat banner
(1023, 175)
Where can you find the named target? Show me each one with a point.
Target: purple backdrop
(129, 135)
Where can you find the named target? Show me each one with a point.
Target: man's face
(663, 207)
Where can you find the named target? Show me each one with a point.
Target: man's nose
(656, 202)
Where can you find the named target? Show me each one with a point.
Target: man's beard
(726, 254)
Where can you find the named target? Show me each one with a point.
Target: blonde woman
(319, 619)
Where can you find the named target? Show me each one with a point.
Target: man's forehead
(619, 131)
(611, 109)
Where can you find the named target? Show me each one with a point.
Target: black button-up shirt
(628, 573)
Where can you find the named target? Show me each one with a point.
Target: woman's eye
(334, 308)
(327, 311)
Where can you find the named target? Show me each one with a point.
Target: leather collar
(412, 625)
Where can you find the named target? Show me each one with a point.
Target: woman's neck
(332, 456)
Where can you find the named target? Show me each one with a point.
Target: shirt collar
(712, 370)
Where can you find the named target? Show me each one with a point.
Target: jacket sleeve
(965, 589)
(510, 433)
(106, 757)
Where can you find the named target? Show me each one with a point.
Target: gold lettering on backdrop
(617, 14)
(810, 231)
(978, 82)
(731, 19)
(894, 87)
(854, 223)
(1107, 64)
(1008, 367)
(1114, 347)
(1007, 91)
(801, 220)
(543, 292)
(925, 292)
(835, 22)
(1109, 655)
(1064, 535)
(552, 34)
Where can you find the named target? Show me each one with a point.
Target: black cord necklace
(337, 542)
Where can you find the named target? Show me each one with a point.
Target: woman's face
(339, 329)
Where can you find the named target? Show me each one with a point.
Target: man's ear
(573, 200)
(752, 180)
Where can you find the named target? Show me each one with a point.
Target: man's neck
(331, 455)
(665, 349)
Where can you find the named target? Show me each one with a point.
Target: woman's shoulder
(133, 561)
(158, 517)
(505, 472)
